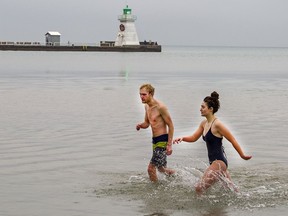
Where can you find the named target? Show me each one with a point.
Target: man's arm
(144, 124)
(168, 121)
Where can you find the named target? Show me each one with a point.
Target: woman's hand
(246, 157)
(178, 140)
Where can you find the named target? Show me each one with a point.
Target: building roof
(53, 33)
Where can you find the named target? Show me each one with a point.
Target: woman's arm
(194, 137)
(222, 130)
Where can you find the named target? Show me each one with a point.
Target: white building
(127, 34)
(52, 38)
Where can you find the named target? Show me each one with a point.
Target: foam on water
(257, 190)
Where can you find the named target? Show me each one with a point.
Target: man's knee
(152, 173)
(151, 169)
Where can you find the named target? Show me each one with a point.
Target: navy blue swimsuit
(214, 147)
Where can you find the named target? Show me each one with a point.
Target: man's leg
(166, 171)
(152, 172)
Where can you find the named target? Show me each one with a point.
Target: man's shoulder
(161, 106)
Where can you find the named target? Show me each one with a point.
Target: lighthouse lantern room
(127, 34)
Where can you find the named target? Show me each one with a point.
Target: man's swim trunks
(159, 157)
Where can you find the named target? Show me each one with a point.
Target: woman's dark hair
(213, 101)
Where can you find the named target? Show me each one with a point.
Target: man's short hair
(148, 87)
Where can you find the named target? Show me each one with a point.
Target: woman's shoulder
(218, 123)
(202, 124)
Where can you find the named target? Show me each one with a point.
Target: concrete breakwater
(83, 48)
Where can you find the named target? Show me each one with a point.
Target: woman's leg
(211, 175)
(228, 182)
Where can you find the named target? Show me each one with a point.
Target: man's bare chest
(153, 114)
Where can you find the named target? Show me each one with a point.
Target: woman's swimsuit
(214, 147)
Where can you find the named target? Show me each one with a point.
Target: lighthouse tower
(127, 34)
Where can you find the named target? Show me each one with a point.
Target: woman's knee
(198, 189)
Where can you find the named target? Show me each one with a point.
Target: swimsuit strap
(212, 124)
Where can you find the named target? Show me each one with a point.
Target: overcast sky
(169, 22)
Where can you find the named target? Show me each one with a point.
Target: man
(158, 117)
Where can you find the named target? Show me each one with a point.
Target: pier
(126, 41)
(104, 46)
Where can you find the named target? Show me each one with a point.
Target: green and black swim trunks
(159, 157)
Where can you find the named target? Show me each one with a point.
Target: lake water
(68, 144)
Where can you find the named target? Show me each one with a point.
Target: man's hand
(138, 126)
(169, 149)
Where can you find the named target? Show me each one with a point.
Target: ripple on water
(258, 190)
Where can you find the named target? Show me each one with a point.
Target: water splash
(257, 190)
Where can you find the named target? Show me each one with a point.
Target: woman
(213, 130)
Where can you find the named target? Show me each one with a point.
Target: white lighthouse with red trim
(127, 34)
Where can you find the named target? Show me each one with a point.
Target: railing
(29, 43)
(127, 17)
(19, 43)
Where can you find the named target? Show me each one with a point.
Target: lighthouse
(127, 34)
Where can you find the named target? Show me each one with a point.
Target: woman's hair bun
(213, 101)
(215, 95)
